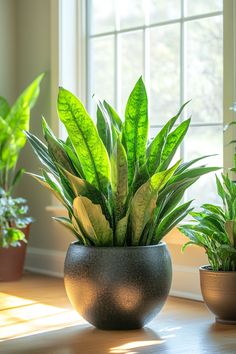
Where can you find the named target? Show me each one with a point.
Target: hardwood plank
(36, 318)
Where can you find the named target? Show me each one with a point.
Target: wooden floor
(36, 317)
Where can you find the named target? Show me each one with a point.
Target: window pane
(162, 10)
(202, 141)
(131, 45)
(102, 15)
(164, 73)
(102, 68)
(131, 13)
(204, 68)
(197, 7)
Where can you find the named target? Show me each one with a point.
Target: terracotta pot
(219, 293)
(118, 287)
(12, 260)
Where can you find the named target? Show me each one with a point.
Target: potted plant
(122, 199)
(14, 225)
(214, 229)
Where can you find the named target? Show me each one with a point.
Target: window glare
(177, 45)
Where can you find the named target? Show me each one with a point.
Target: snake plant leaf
(4, 107)
(41, 151)
(174, 198)
(119, 177)
(45, 184)
(141, 175)
(85, 139)
(114, 117)
(171, 220)
(73, 158)
(67, 224)
(55, 148)
(192, 173)
(184, 166)
(136, 127)
(92, 221)
(144, 202)
(83, 188)
(104, 131)
(121, 230)
(173, 141)
(154, 150)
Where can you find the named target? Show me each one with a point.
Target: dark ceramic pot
(219, 293)
(12, 260)
(118, 287)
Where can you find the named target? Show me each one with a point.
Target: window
(177, 46)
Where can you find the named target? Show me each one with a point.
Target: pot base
(227, 322)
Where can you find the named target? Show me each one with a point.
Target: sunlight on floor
(125, 348)
(21, 317)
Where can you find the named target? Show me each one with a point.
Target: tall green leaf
(173, 141)
(119, 177)
(155, 149)
(92, 221)
(136, 127)
(85, 139)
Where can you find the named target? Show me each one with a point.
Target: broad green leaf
(83, 188)
(83, 134)
(55, 148)
(73, 158)
(192, 173)
(119, 177)
(144, 202)
(155, 149)
(173, 141)
(136, 127)
(4, 107)
(19, 115)
(92, 221)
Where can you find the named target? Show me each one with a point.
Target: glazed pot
(12, 260)
(118, 287)
(219, 293)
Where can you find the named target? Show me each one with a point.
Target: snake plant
(13, 120)
(116, 184)
(214, 228)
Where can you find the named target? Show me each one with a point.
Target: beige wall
(8, 49)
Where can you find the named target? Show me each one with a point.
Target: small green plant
(116, 184)
(214, 228)
(13, 121)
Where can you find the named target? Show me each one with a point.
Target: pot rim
(75, 244)
(206, 269)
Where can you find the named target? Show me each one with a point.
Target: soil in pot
(118, 287)
(12, 260)
(219, 293)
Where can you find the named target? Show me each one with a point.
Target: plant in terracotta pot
(122, 199)
(214, 229)
(14, 224)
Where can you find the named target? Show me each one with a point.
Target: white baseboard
(185, 282)
(39, 260)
